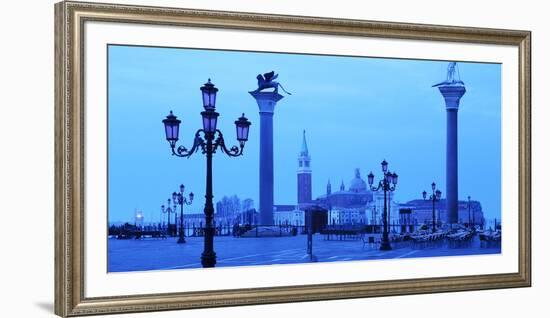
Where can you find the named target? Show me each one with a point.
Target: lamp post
(389, 212)
(179, 198)
(208, 140)
(469, 217)
(434, 197)
(387, 184)
(376, 219)
(162, 212)
(175, 218)
(168, 210)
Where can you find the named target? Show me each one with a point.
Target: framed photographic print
(208, 158)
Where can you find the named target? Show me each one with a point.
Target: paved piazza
(162, 254)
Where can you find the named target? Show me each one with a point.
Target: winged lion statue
(267, 80)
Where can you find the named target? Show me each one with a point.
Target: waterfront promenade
(165, 254)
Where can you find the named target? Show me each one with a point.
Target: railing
(259, 230)
(197, 230)
(343, 232)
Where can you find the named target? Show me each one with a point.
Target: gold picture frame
(70, 18)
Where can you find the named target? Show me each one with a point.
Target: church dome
(357, 184)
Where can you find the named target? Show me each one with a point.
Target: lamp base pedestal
(208, 260)
(385, 246)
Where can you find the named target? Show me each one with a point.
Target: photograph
(225, 158)
(228, 157)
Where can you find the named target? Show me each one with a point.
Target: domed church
(347, 206)
(357, 185)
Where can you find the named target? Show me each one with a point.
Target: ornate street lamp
(179, 198)
(470, 219)
(209, 96)
(389, 203)
(162, 212)
(175, 219)
(168, 210)
(387, 184)
(242, 125)
(171, 129)
(208, 140)
(434, 197)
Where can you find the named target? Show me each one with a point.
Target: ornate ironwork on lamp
(434, 197)
(208, 139)
(387, 184)
(180, 199)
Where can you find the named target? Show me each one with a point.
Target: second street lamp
(434, 197)
(175, 219)
(208, 140)
(387, 184)
(179, 198)
(471, 219)
(162, 212)
(168, 210)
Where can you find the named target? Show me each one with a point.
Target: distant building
(347, 206)
(422, 211)
(288, 215)
(375, 208)
(193, 219)
(197, 219)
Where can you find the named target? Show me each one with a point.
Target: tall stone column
(452, 95)
(266, 103)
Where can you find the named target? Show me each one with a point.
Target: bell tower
(304, 174)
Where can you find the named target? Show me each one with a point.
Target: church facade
(347, 205)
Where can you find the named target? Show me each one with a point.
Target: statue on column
(267, 80)
(453, 76)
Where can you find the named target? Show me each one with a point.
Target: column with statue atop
(267, 100)
(452, 89)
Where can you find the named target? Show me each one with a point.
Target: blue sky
(356, 111)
